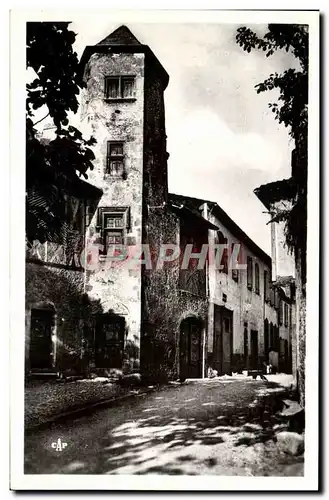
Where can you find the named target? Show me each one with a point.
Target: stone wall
(62, 290)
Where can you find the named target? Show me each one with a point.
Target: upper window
(266, 286)
(281, 312)
(235, 272)
(257, 278)
(113, 223)
(249, 273)
(286, 309)
(221, 240)
(115, 158)
(119, 87)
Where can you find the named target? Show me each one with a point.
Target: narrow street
(201, 427)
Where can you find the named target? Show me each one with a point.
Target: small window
(115, 159)
(286, 314)
(266, 286)
(119, 87)
(113, 222)
(235, 272)
(257, 278)
(221, 240)
(249, 273)
(281, 313)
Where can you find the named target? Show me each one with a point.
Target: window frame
(286, 318)
(110, 157)
(103, 214)
(250, 272)
(235, 272)
(257, 278)
(121, 79)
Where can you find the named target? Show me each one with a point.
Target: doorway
(223, 340)
(190, 348)
(254, 349)
(41, 347)
(109, 341)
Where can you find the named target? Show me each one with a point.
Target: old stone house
(134, 309)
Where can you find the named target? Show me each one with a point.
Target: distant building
(283, 273)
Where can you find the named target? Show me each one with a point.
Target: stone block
(290, 442)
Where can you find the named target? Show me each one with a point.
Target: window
(221, 240)
(119, 87)
(112, 223)
(266, 286)
(272, 296)
(285, 314)
(281, 312)
(235, 272)
(115, 158)
(257, 278)
(249, 273)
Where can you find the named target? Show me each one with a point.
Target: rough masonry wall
(165, 305)
(62, 290)
(117, 287)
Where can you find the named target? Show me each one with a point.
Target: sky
(222, 137)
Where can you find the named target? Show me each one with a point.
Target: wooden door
(190, 348)
(109, 341)
(218, 344)
(42, 322)
(227, 341)
(254, 349)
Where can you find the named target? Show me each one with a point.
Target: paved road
(201, 427)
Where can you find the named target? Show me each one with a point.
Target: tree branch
(36, 123)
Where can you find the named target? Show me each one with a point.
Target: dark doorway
(109, 341)
(223, 340)
(254, 349)
(245, 345)
(190, 348)
(266, 340)
(42, 322)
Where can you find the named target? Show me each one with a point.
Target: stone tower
(123, 107)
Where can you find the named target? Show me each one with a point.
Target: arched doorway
(190, 348)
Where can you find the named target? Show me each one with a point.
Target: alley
(201, 427)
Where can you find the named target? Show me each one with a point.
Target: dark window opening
(257, 278)
(249, 273)
(119, 87)
(266, 286)
(235, 272)
(115, 159)
(113, 223)
(221, 240)
(286, 314)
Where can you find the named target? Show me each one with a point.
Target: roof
(273, 192)
(120, 36)
(196, 203)
(186, 213)
(122, 40)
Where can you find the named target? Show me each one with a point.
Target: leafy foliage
(291, 110)
(51, 164)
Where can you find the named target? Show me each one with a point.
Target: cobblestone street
(217, 426)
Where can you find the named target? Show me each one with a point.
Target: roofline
(233, 227)
(118, 49)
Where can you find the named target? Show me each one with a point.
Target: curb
(83, 410)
